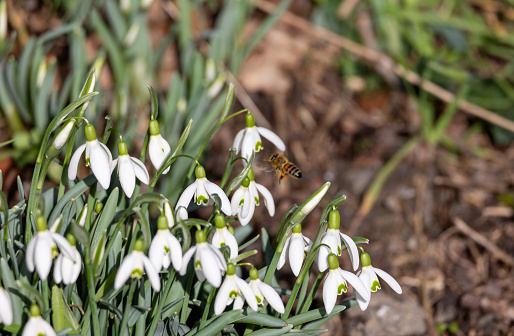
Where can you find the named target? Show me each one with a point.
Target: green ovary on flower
(41, 224)
(154, 127)
(122, 148)
(341, 289)
(200, 172)
(375, 286)
(137, 273)
(249, 120)
(90, 132)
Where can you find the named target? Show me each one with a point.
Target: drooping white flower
(158, 147)
(234, 289)
(368, 275)
(333, 238)
(6, 315)
(246, 198)
(165, 248)
(209, 263)
(42, 249)
(128, 169)
(335, 284)
(36, 325)
(264, 293)
(296, 246)
(222, 236)
(97, 155)
(66, 270)
(133, 265)
(201, 191)
(248, 140)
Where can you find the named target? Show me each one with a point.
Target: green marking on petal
(87, 162)
(258, 146)
(339, 250)
(375, 286)
(55, 252)
(202, 199)
(341, 289)
(198, 265)
(233, 294)
(256, 201)
(241, 202)
(137, 273)
(259, 300)
(166, 249)
(222, 244)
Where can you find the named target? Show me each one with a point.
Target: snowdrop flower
(209, 263)
(36, 325)
(246, 198)
(335, 284)
(234, 289)
(165, 248)
(6, 315)
(43, 248)
(295, 247)
(248, 139)
(201, 192)
(158, 147)
(66, 270)
(181, 213)
(128, 169)
(333, 238)
(132, 267)
(60, 139)
(97, 155)
(223, 236)
(264, 293)
(368, 275)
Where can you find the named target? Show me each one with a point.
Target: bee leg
(282, 176)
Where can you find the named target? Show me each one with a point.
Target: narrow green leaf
(307, 332)
(154, 111)
(79, 233)
(98, 253)
(263, 320)
(314, 315)
(217, 324)
(62, 317)
(105, 219)
(271, 332)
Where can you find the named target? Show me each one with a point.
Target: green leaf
(98, 254)
(244, 255)
(10, 284)
(154, 112)
(271, 332)
(79, 233)
(307, 332)
(217, 324)
(314, 314)
(263, 320)
(105, 219)
(62, 317)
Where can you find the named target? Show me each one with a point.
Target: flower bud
(310, 204)
(60, 139)
(216, 85)
(131, 34)
(182, 105)
(41, 73)
(98, 207)
(83, 215)
(210, 70)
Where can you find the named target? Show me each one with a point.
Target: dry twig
(387, 62)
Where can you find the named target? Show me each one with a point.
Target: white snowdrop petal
(238, 303)
(158, 149)
(296, 253)
(272, 297)
(285, 251)
(175, 251)
(210, 266)
(222, 297)
(363, 304)
(238, 139)
(168, 213)
(352, 250)
(49, 331)
(219, 257)
(31, 328)
(156, 251)
(127, 175)
(330, 292)
(185, 260)
(29, 254)
(77, 267)
(125, 271)
(389, 280)
(186, 196)
(269, 203)
(231, 242)
(64, 246)
(356, 283)
(58, 268)
(6, 314)
(114, 163)
(272, 137)
(74, 162)
(107, 151)
(43, 256)
(321, 258)
(236, 199)
(67, 266)
(248, 144)
(247, 200)
(140, 170)
(214, 189)
(152, 274)
(100, 164)
(247, 292)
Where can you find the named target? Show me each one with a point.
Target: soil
(443, 223)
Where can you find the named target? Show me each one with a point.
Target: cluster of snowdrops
(216, 253)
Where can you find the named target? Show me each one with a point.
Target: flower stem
(307, 303)
(160, 304)
(207, 308)
(130, 297)
(185, 303)
(92, 294)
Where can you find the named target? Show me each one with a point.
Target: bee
(281, 164)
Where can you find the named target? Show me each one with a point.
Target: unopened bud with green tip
(83, 216)
(310, 204)
(41, 73)
(210, 70)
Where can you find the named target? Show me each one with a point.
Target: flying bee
(281, 164)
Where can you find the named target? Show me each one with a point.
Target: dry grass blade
(386, 62)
